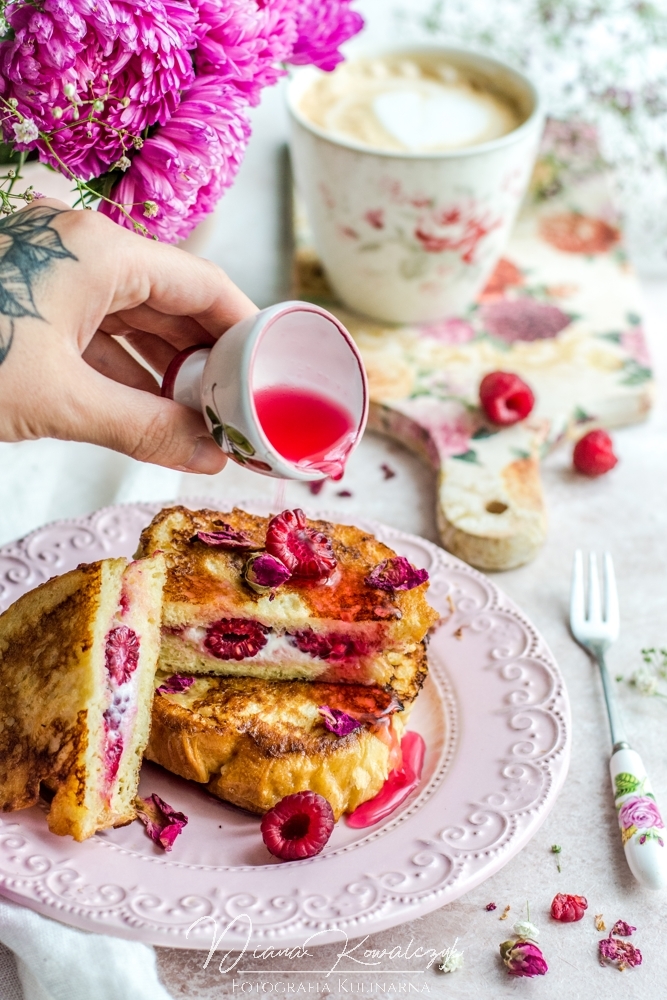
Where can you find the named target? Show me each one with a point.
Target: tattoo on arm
(28, 246)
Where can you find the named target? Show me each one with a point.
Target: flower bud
(523, 958)
(568, 908)
(69, 90)
(264, 572)
(57, 112)
(98, 105)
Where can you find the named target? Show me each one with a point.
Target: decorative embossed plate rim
(496, 720)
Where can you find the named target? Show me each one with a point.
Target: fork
(642, 828)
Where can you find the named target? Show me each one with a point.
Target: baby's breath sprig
(646, 679)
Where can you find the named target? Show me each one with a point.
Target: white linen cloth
(53, 962)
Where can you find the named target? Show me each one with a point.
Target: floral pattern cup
(413, 237)
(293, 345)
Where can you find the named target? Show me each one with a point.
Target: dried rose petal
(163, 824)
(523, 958)
(623, 929)
(568, 908)
(337, 721)
(175, 684)
(624, 954)
(387, 471)
(226, 537)
(264, 572)
(490, 907)
(396, 574)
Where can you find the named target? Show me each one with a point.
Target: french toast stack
(267, 656)
(268, 626)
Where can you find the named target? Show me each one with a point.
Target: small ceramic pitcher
(291, 346)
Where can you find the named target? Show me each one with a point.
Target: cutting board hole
(496, 507)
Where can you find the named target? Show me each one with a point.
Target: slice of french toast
(77, 665)
(251, 742)
(340, 627)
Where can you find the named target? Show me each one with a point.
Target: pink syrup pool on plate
(397, 787)
(311, 430)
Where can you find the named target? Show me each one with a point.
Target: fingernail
(207, 458)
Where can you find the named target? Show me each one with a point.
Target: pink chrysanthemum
(131, 55)
(243, 42)
(323, 26)
(182, 169)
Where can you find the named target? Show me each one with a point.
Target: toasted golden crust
(46, 686)
(205, 584)
(54, 692)
(253, 741)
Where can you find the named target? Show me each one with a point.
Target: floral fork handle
(642, 829)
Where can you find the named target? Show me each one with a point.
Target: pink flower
(397, 573)
(186, 165)
(459, 229)
(243, 43)
(523, 958)
(131, 56)
(163, 823)
(337, 721)
(449, 331)
(523, 319)
(623, 929)
(322, 26)
(634, 342)
(622, 953)
(640, 812)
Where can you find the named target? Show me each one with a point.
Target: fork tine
(577, 599)
(594, 602)
(611, 616)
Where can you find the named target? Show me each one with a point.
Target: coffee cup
(409, 231)
(283, 392)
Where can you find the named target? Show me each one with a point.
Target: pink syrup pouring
(313, 431)
(397, 787)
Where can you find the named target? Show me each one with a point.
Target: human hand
(70, 282)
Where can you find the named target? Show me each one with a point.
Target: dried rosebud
(567, 908)
(163, 824)
(622, 953)
(175, 684)
(396, 573)
(337, 721)
(623, 929)
(225, 537)
(490, 906)
(264, 572)
(523, 958)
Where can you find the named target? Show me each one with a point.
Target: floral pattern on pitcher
(638, 812)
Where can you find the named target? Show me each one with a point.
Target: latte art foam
(416, 105)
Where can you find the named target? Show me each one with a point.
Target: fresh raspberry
(505, 398)
(567, 908)
(235, 638)
(329, 647)
(298, 826)
(306, 553)
(594, 454)
(121, 654)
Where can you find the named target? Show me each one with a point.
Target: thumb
(137, 423)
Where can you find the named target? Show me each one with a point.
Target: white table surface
(625, 512)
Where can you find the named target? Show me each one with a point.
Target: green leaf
(238, 440)
(635, 374)
(216, 434)
(521, 453)
(633, 318)
(212, 416)
(483, 432)
(626, 783)
(468, 456)
(581, 416)
(615, 338)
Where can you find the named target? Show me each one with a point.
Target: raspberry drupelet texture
(307, 553)
(298, 826)
(505, 398)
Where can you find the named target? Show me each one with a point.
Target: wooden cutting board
(561, 310)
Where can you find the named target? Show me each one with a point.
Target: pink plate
(495, 717)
